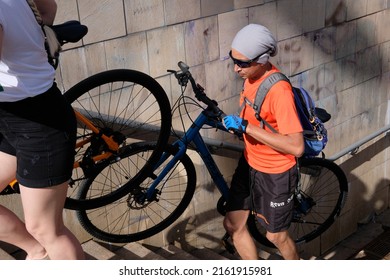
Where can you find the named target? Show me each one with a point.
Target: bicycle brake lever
(181, 77)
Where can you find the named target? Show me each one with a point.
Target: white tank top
(24, 68)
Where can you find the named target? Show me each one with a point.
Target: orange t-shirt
(279, 111)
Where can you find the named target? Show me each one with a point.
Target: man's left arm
(292, 144)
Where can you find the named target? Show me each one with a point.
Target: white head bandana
(254, 40)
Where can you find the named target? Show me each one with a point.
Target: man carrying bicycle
(266, 175)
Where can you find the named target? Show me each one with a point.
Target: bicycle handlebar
(184, 76)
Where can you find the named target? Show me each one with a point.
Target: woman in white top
(37, 135)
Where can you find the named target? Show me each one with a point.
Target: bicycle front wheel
(143, 212)
(324, 189)
(126, 105)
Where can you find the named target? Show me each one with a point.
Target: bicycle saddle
(70, 31)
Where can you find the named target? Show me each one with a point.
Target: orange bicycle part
(111, 143)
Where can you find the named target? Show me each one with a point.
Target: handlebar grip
(183, 67)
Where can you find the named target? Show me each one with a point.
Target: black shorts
(41, 132)
(270, 196)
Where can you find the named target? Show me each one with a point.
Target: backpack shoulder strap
(265, 86)
(262, 91)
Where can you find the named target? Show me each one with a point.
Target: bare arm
(47, 9)
(288, 144)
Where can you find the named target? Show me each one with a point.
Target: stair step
(136, 251)
(172, 252)
(207, 254)
(95, 251)
(265, 255)
(230, 256)
(5, 256)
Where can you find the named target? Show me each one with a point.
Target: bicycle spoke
(133, 216)
(126, 106)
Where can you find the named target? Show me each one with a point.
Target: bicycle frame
(206, 117)
(112, 145)
(210, 116)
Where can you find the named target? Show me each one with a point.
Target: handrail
(352, 148)
(348, 150)
(223, 145)
(215, 143)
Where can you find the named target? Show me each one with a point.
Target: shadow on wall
(349, 52)
(366, 200)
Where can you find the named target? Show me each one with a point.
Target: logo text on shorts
(276, 204)
(280, 204)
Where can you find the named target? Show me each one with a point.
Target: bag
(52, 45)
(312, 118)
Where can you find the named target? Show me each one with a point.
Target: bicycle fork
(151, 192)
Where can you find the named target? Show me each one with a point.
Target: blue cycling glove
(235, 123)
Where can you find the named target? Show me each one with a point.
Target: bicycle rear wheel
(128, 106)
(324, 189)
(133, 217)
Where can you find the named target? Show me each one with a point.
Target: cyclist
(266, 175)
(37, 135)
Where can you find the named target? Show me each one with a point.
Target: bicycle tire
(130, 105)
(324, 182)
(131, 218)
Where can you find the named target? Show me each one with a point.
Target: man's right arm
(47, 9)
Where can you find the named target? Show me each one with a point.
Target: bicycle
(155, 203)
(114, 109)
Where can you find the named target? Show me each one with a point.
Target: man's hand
(235, 124)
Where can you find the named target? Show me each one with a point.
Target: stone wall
(337, 49)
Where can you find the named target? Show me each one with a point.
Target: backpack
(312, 118)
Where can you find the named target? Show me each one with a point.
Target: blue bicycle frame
(206, 117)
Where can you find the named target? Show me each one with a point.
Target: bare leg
(43, 209)
(235, 225)
(12, 229)
(285, 244)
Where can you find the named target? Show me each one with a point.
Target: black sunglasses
(245, 63)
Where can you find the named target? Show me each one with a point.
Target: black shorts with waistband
(270, 196)
(41, 132)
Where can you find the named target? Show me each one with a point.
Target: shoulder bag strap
(34, 8)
